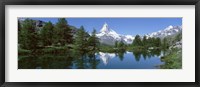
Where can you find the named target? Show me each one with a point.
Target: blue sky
(126, 26)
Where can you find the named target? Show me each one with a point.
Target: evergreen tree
(81, 39)
(137, 41)
(19, 25)
(64, 33)
(28, 37)
(47, 34)
(144, 41)
(157, 42)
(150, 42)
(121, 44)
(178, 37)
(165, 43)
(19, 32)
(116, 44)
(93, 40)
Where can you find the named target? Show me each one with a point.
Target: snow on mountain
(109, 36)
(106, 31)
(170, 30)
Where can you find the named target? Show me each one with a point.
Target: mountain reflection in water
(100, 60)
(105, 57)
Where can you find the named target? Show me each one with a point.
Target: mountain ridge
(109, 36)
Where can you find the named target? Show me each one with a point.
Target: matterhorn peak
(109, 36)
(105, 28)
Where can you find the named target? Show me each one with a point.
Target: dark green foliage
(178, 37)
(19, 26)
(81, 39)
(47, 33)
(58, 35)
(63, 32)
(121, 44)
(172, 59)
(145, 43)
(157, 42)
(28, 38)
(137, 41)
(107, 48)
(23, 51)
(71, 42)
(165, 44)
(173, 56)
(121, 55)
(116, 44)
(19, 32)
(93, 41)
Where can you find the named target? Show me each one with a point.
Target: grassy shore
(173, 59)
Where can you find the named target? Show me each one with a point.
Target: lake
(128, 61)
(100, 60)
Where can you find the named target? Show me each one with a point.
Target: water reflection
(86, 61)
(105, 57)
(146, 53)
(92, 60)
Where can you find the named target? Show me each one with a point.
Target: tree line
(60, 34)
(146, 42)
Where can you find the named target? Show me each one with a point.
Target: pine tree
(64, 33)
(137, 41)
(121, 44)
(47, 33)
(144, 41)
(81, 39)
(19, 25)
(19, 32)
(28, 37)
(165, 43)
(116, 44)
(178, 37)
(157, 42)
(93, 40)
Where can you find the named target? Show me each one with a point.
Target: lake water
(128, 61)
(100, 60)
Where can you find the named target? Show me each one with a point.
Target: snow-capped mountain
(109, 36)
(170, 30)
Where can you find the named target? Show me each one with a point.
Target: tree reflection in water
(83, 60)
(146, 53)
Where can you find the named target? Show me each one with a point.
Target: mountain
(168, 31)
(109, 37)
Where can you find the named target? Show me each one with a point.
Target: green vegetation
(28, 37)
(56, 38)
(146, 43)
(172, 55)
(50, 44)
(173, 60)
(46, 34)
(62, 39)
